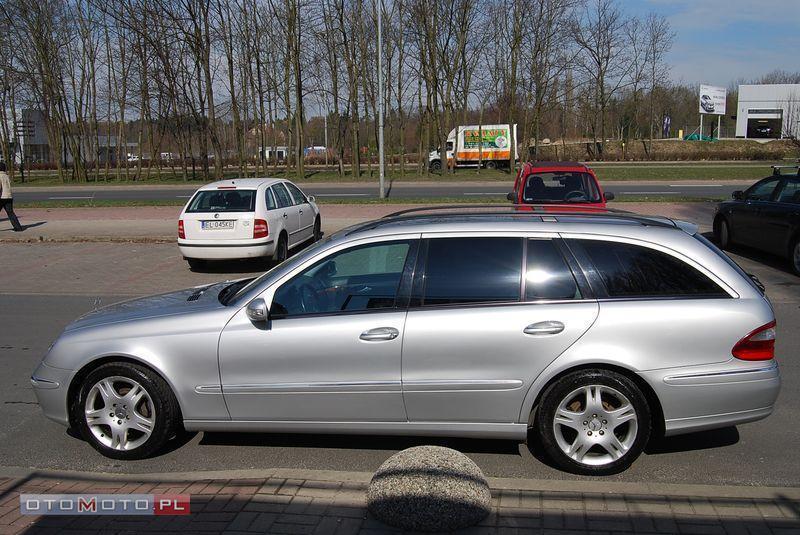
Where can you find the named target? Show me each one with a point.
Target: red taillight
(758, 345)
(260, 229)
(181, 231)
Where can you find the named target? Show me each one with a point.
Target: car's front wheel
(723, 233)
(126, 411)
(593, 422)
(794, 257)
(317, 230)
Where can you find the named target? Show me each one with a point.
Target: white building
(768, 111)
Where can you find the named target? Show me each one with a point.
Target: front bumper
(50, 386)
(719, 396)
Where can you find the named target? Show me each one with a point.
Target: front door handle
(379, 334)
(301, 210)
(544, 327)
(284, 215)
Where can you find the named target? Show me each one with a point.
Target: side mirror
(738, 195)
(257, 310)
(511, 197)
(609, 196)
(311, 198)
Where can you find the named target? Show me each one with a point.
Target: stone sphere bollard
(429, 488)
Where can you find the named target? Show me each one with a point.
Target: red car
(558, 183)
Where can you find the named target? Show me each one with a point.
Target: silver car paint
(471, 375)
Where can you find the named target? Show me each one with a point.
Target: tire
(597, 447)
(794, 256)
(131, 432)
(196, 264)
(281, 250)
(491, 164)
(436, 165)
(317, 230)
(723, 233)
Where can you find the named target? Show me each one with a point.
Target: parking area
(44, 286)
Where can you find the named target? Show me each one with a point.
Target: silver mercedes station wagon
(588, 333)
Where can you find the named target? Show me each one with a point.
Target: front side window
(762, 191)
(472, 270)
(299, 198)
(634, 271)
(559, 187)
(242, 200)
(357, 279)
(547, 275)
(284, 199)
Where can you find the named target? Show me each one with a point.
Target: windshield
(559, 187)
(240, 200)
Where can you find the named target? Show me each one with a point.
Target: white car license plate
(218, 225)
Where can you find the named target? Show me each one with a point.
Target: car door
(289, 211)
(306, 214)
(746, 224)
(478, 332)
(778, 216)
(330, 351)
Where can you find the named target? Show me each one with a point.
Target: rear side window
(634, 271)
(472, 270)
(547, 275)
(240, 200)
(282, 195)
(271, 204)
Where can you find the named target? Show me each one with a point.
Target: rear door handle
(379, 334)
(301, 210)
(544, 327)
(284, 215)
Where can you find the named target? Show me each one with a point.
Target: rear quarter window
(634, 271)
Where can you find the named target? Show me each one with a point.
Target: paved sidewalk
(321, 502)
(158, 224)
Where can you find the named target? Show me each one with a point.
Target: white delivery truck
(489, 144)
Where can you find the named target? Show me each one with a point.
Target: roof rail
(776, 169)
(458, 210)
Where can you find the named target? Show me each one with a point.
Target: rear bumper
(719, 396)
(223, 251)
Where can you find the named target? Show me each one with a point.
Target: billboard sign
(712, 100)
(492, 138)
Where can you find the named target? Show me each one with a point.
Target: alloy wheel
(120, 413)
(595, 425)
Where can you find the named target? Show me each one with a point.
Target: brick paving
(316, 502)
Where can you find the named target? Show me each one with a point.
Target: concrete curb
(543, 485)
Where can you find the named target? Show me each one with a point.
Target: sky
(718, 42)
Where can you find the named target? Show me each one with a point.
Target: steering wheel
(575, 195)
(309, 301)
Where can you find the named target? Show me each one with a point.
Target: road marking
(649, 192)
(182, 196)
(341, 195)
(66, 198)
(695, 185)
(487, 193)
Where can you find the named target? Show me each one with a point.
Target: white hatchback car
(246, 218)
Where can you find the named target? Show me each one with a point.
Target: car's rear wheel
(126, 411)
(196, 264)
(593, 422)
(491, 164)
(281, 250)
(723, 233)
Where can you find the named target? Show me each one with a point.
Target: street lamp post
(380, 101)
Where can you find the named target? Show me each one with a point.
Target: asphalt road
(760, 453)
(365, 191)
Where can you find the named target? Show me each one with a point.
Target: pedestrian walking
(7, 199)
